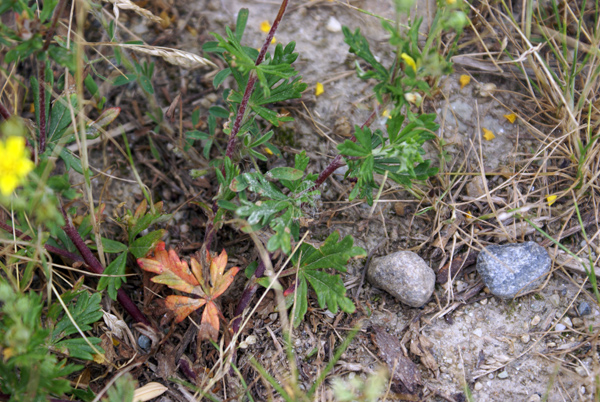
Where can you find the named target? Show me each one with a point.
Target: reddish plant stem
(96, 267)
(337, 162)
(247, 296)
(58, 10)
(42, 90)
(251, 81)
(4, 112)
(52, 249)
(237, 124)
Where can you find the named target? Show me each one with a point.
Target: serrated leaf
(329, 288)
(116, 270)
(140, 247)
(177, 275)
(78, 348)
(350, 148)
(109, 246)
(86, 311)
(284, 173)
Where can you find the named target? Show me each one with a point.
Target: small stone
(567, 322)
(560, 327)
(584, 308)
(513, 268)
(405, 276)
(144, 342)
(476, 187)
(525, 338)
(534, 398)
(333, 25)
(478, 332)
(483, 302)
(551, 345)
(555, 300)
(577, 322)
(535, 320)
(503, 374)
(581, 371)
(478, 386)
(460, 286)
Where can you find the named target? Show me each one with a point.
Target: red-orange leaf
(183, 306)
(177, 275)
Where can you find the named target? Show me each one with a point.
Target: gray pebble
(584, 308)
(513, 268)
(144, 342)
(404, 275)
(503, 375)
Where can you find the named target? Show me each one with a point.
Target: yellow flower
(14, 164)
(265, 26)
(409, 60)
(551, 199)
(319, 89)
(464, 80)
(487, 134)
(511, 117)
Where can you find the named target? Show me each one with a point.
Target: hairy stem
(252, 81)
(42, 91)
(337, 162)
(4, 112)
(96, 267)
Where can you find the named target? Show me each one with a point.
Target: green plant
(29, 372)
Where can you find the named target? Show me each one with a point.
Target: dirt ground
(500, 350)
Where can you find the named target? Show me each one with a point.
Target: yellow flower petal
(265, 26)
(319, 89)
(15, 164)
(511, 117)
(469, 215)
(551, 199)
(274, 40)
(409, 60)
(464, 80)
(487, 134)
(268, 151)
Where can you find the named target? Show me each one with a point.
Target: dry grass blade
(128, 5)
(173, 56)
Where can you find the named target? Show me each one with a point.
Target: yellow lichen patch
(409, 61)
(319, 89)
(511, 117)
(551, 199)
(464, 80)
(487, 134)
(265, 26)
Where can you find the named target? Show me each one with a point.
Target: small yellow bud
(409, 61)
(319, 89)
(551, 199)
(487, 134)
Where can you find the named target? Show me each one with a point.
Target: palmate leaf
(329, 288)
(177, 275)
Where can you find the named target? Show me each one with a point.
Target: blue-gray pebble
(584, 308)
(513, 268)
(144, 342)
